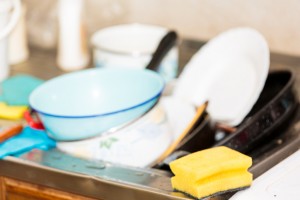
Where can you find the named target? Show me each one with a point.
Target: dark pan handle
(167, 42)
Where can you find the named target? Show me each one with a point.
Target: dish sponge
(11, 112)
(210, 172)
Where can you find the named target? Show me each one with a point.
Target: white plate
(230, 72)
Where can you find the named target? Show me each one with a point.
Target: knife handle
(10, 131)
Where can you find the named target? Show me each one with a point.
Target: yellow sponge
(211, 171)
(11, 112)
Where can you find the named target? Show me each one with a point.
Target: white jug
(8, 20)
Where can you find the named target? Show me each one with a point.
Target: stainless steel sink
(108, 181)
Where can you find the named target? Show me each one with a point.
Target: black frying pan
(272, 112)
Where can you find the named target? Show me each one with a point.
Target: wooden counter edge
(8, 185)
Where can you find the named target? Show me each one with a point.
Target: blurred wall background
(277, 20)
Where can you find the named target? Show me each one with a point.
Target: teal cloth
(25, 141)
(15, 90)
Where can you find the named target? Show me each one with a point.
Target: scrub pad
(16, 90)
(11, 112)
(211, 171)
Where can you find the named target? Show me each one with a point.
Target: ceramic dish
(87, 103)
(140, 143)
(229, 72)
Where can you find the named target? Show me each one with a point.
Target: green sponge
(16, 89)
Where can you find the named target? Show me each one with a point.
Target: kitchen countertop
(100, 180)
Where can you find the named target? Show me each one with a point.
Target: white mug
(8, 21)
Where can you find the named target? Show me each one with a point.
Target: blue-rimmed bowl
(87, 103)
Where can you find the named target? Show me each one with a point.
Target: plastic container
(72, 49)
(7, 23)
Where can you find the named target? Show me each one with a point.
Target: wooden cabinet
(11, 189)
(2, 188)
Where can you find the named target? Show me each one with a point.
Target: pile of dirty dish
(126, 116)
